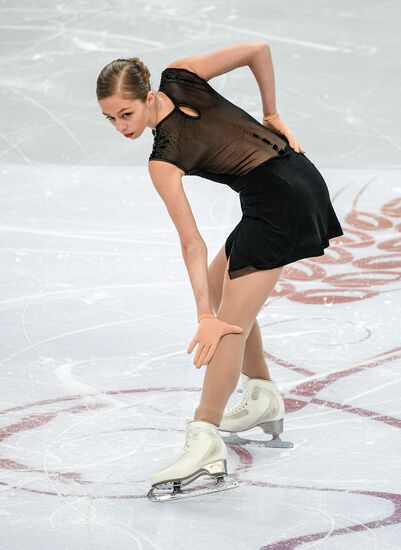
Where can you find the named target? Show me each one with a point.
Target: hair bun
(142, 68)
(129, 78)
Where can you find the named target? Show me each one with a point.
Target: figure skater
(286, 215)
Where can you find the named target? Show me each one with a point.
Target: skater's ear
(167, 181)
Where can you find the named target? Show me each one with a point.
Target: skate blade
(221, 485)
(274, 443)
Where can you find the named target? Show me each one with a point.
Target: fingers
(200, 352)
(203, 358)
(192, 344)
(291, 140)
(206, 356)
(203, 355)
(297, 148)
(210, 354)
(207, 344)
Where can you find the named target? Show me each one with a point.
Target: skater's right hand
(276, 123)
(210, 331)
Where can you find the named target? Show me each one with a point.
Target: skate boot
(205, 453)
(262, 406)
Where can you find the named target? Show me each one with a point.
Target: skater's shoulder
(164, 168)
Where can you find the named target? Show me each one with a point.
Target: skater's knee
(238, 310)
(238, 320)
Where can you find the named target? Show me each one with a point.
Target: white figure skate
(205, 453)
(262, 406)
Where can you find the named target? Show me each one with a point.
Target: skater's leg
(241, 301)
(254, 362)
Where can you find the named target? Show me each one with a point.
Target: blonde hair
(129, 78)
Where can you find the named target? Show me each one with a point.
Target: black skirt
(287, 215)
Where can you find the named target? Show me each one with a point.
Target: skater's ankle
(206, 420)
(259, 376)
(208, 415)
(257, 370)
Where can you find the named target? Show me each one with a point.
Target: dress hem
(302, 253)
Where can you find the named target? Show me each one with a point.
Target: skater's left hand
(275, 123)
(210, 331)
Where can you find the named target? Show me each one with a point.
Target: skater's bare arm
(255, 54)
(262, 68)
(223, 60)
(168, 183)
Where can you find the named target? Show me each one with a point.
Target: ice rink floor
(96, 314)
(96, 307)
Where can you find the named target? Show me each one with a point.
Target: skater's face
(130, 117)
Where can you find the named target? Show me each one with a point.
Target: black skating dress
(287, 213)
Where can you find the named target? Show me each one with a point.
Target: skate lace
(190, 436)
(188, 440)
(241, 405)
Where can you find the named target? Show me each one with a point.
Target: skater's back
(219, 139)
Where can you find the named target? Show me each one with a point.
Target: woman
(286, 215)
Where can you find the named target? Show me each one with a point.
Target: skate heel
(273, 427)
(217, 467)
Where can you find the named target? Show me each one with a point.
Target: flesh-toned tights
(236, 301)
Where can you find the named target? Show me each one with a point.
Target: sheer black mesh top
(222, 139)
